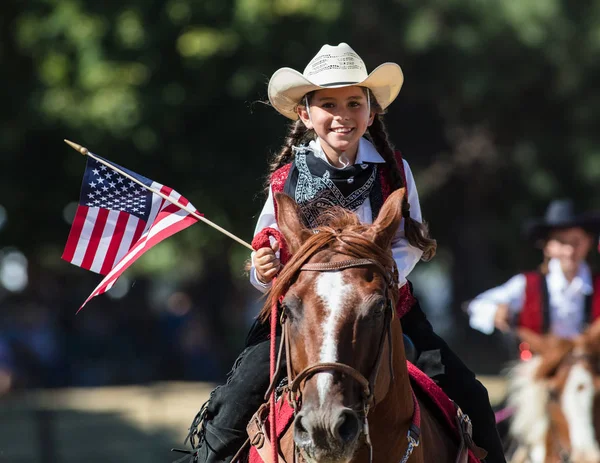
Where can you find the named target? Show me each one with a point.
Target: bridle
(367, 385)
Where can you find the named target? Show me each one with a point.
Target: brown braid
(417, 233)
(296, 135)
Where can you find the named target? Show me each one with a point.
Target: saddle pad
(439, 398)
(285, 413)
(285, 417)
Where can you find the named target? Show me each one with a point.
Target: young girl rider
(337, 154)
(561, 297)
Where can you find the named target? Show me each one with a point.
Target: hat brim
(287, 87)
(539, 229)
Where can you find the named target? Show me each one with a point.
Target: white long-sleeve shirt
(566, 300)
(405, 255)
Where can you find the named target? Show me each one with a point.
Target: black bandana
(317, 186)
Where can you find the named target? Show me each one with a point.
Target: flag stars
(112, 184)
(102, 167)
(132, 184)
(96, 172)
(120, 179)
(91, 195)
(92, 184)
(100, 180)
(105, 188)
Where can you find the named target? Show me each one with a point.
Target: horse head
(566, 373)
(338, 295)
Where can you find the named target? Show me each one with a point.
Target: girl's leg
(219, 429)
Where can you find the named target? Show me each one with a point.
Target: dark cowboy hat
(561, 214)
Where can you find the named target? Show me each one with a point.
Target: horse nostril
(301, 434)
(347, 426)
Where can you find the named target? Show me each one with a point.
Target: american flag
(118, 220)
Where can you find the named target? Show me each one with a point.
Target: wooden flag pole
(83, 150)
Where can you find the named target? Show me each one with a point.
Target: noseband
(367, 385)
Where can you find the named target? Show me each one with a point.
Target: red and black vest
(280, 176)
(535, 314)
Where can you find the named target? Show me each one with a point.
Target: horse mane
(340, 231)
(528, 395)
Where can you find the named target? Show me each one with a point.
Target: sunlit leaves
(130, 29)
(423, 29)
(203, 42)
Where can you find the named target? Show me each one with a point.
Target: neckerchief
(317, 186)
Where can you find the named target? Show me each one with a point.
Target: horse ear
(388, 220)
(290, 225)
(537, 342)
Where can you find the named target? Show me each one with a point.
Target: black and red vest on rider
(280, 177)
(535, 314)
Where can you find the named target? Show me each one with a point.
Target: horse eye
(291, 308)
(379, 308)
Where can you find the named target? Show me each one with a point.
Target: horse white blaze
(577, 404)
(330, 287)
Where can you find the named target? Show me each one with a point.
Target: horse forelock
(528, 396)
(342, 233)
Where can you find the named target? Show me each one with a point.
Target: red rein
(262, 240)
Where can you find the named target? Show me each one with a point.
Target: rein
(367, 385)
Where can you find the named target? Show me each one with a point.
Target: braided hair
(417, 233)
(297, 134)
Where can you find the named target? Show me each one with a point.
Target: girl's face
(339, 116)
(571, 246)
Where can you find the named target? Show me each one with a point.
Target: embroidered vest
(535, 314)
(280, 176)
(405, 300)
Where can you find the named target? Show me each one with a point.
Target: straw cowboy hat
(561, 214)
(333, 67)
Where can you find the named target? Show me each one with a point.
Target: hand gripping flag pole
(83, 150)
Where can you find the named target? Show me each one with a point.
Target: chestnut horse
(554, 396)
(346, 360)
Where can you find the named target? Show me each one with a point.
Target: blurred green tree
(498, 115)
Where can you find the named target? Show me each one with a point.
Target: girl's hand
(266, 263)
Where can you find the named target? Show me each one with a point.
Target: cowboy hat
(561, 214)
(333, 67)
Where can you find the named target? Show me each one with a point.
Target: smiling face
(340, 117)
